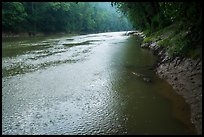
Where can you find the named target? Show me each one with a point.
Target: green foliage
(176, 46)
(174, 25)
(165, 43)
(68, 17)
(13, 14)
(153, 16)
(144, 15)
(148, 39)
(177, 41)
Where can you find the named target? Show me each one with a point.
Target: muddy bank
(185, 76)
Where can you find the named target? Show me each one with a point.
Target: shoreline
(185, 76)
(13, 35)
(27, 34)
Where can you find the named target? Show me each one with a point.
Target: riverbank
(182, 73)
(25, 34)
(16, 35)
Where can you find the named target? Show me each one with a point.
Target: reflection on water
(86, 85)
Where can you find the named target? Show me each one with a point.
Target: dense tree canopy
(154, 17)
(13, 14)
(68, 17)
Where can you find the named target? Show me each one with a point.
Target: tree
(13, 14)
(54, 17)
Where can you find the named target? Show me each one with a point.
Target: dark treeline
(151, 17)
(54, 17)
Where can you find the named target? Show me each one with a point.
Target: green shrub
(148, 39)
(165, 43)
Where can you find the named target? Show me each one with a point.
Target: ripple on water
(81, 89)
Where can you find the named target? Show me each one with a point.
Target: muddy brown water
(85, 85)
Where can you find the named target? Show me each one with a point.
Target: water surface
(86, 85)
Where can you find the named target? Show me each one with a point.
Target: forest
(67, 17)
(95, 17)
(182, 19)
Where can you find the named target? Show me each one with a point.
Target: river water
(86, 84)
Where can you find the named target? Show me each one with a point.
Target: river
(86, 84)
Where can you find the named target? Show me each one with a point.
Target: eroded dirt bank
(185, 76)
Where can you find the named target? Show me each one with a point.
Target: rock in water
(147, 79)
(136, 74)
(141, 76)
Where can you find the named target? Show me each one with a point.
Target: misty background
(62, 17)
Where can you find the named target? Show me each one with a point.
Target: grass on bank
(177, 40)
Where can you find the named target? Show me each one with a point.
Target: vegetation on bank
(176, 41)
(66, 17)
(174, 25)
